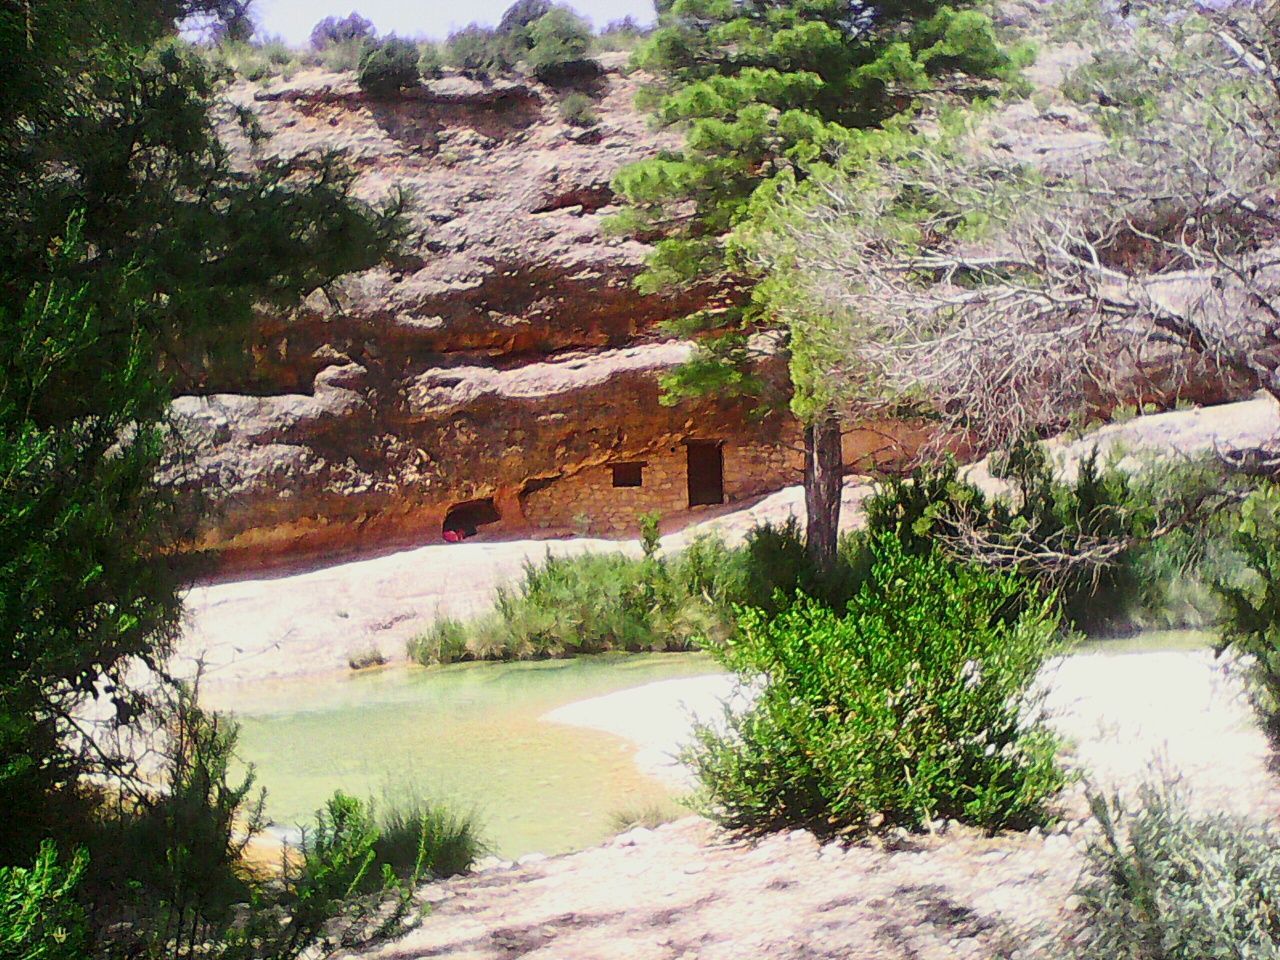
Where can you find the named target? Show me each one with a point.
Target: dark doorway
(465, 519)
(706, 472)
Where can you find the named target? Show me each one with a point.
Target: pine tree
(133, 243)
(765, 90)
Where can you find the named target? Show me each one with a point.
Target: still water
(1147, 641)
(472, 735)
(469, 734)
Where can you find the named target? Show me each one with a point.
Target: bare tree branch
(1008, 298)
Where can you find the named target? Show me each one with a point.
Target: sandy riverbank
(1125, 716)
(688, 890)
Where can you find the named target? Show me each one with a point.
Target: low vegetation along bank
(897, 689)
(840, 168)
(1159, 540)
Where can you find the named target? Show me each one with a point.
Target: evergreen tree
(560, 46)
(765, 90)
(133, 245)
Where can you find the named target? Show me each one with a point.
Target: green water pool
(470, 734)
(1149, 640)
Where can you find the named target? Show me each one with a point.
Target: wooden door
(706, 472)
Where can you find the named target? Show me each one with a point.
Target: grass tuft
(648, 815)
(425, 837)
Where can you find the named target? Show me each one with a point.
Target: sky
(293, 19)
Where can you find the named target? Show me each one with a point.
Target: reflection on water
(470, 734)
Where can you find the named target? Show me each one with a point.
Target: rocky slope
(505, 354)
(506, 345)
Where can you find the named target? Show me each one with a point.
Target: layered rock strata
(500, 374)
(492, 372)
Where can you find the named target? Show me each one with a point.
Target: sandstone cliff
(505, 349)
(503, 366)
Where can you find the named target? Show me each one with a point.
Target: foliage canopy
(135, 248)
(766, 92)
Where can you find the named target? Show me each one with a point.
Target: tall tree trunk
(823, 477)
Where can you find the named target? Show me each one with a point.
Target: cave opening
(465, 519)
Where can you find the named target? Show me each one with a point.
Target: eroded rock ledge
(505, 349)
(503, 366)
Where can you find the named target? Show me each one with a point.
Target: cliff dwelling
(504, 382)
(695, 474)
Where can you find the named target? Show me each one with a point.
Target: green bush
(333, 894)
(1250, 601)
(776, 566)
(711, 570)
(445, 641)
(1112, 78)
(594, 603)
(278, 54)
(1164, 884)
(916, 704)
(559, 46)
(418, 839)
(1044, 520)
(40, 918)
(1042, 516)
(430, 62)
(388, 66)
(479, 52)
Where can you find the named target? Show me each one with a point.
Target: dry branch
(1163, 244)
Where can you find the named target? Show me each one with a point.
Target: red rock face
(506, 349)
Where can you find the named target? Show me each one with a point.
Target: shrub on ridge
(339, 30)
(559, 46)
(388, 66)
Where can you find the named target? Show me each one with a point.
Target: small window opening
(628, 474)
(706, 472)
(465, 519)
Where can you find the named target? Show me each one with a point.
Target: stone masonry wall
(587, 502)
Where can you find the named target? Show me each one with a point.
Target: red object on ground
(453, 536)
